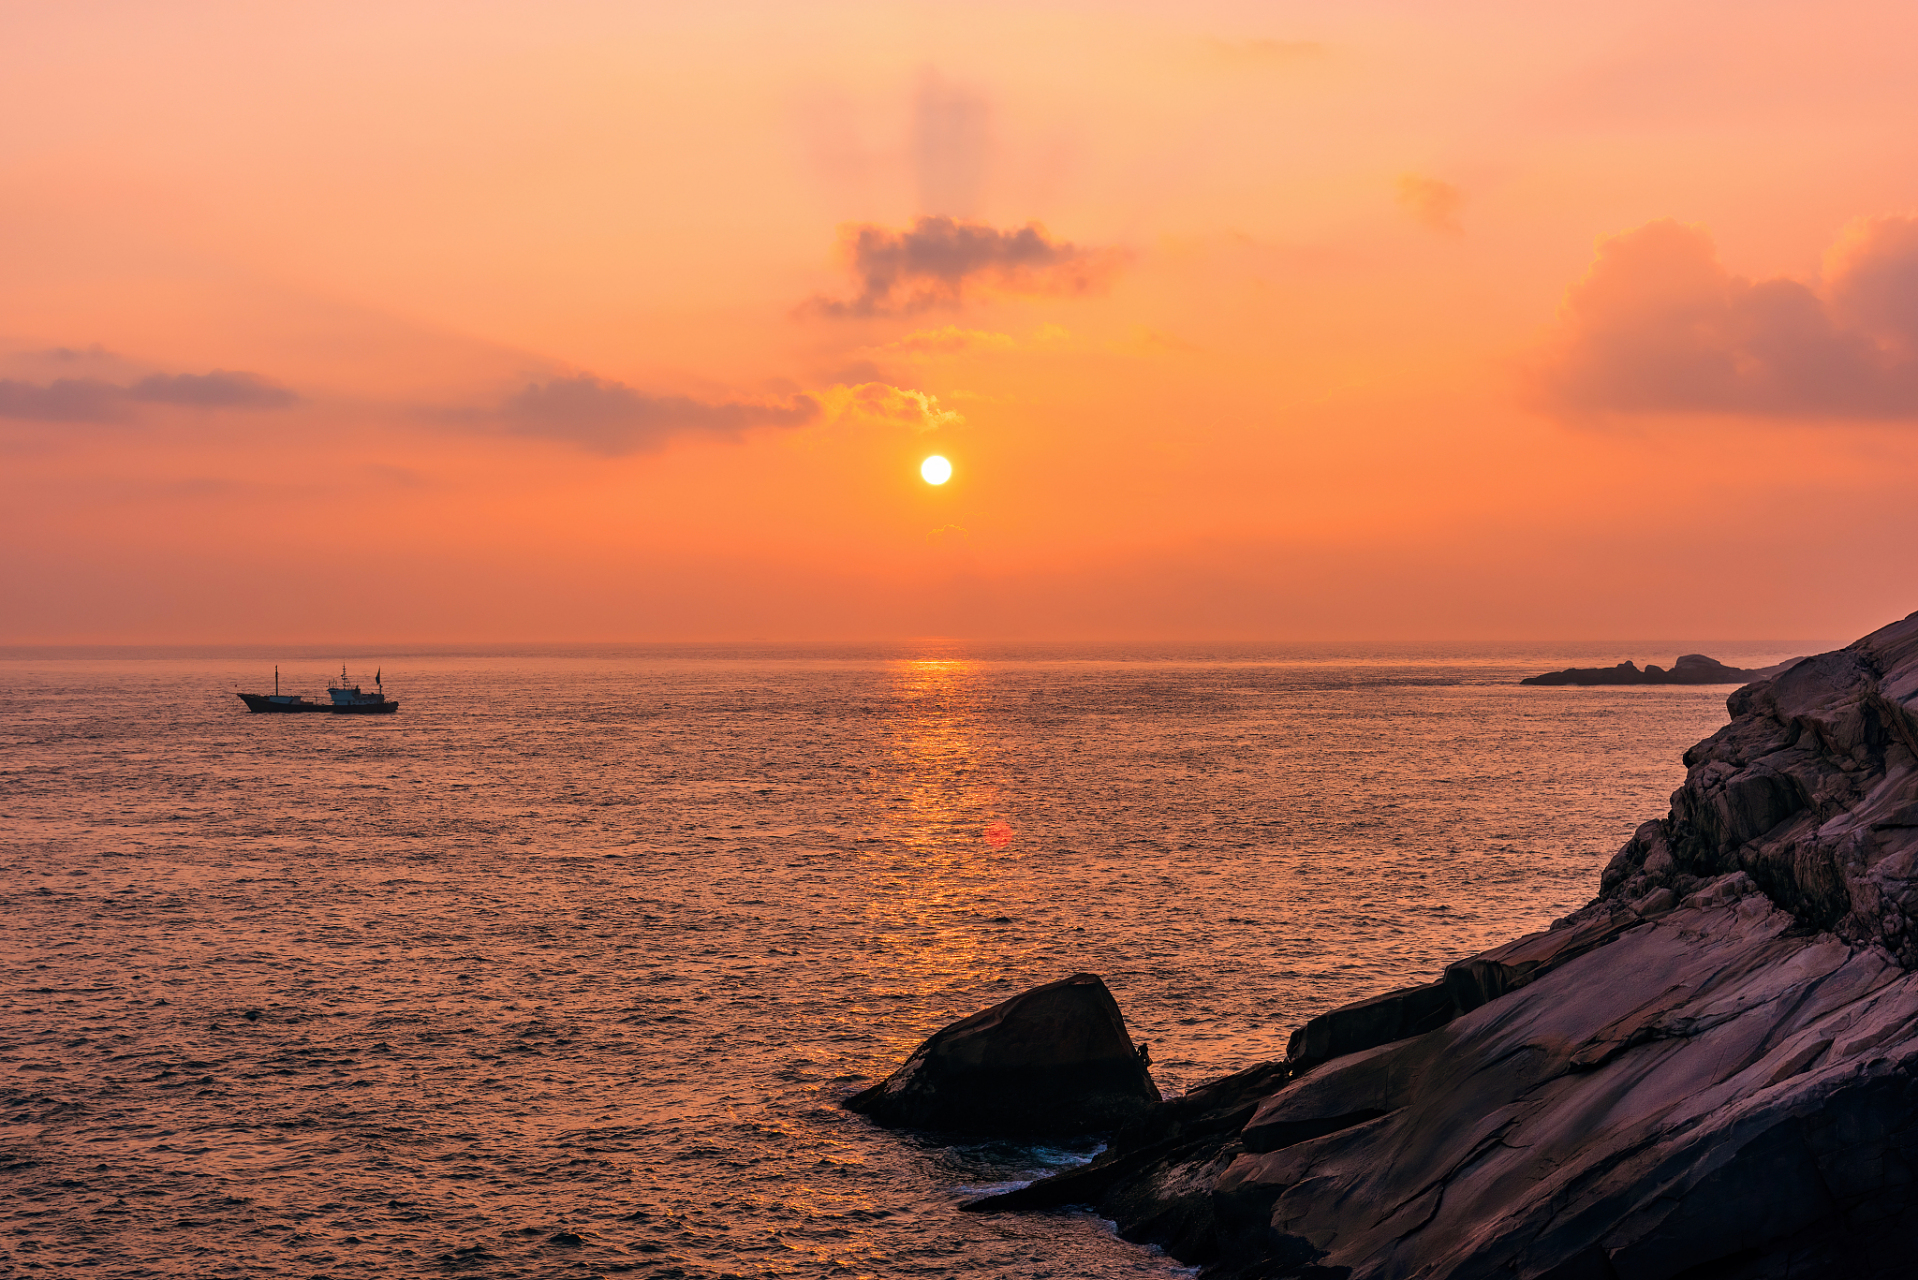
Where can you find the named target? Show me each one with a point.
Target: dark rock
(1711, 1070)
(1465, 986)
(1504, 969)
(1363, 1089)
(1692, 668)
(1054, 1060)
(1379, 1020)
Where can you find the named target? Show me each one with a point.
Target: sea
(565, 969)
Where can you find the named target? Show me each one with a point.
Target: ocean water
(564, 969)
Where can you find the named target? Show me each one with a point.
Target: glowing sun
(936, 470)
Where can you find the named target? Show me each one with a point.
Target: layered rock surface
(1053, 1060)
(1709, 1071)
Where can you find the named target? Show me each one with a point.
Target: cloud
(951, 141)
(881, 404)
(1146, 341)
(1659, 326)
(935, 261)
(1432, 202)
(64, 400)
(97, 400)
(217, 390)
(612, 419)
(949, 341)
(1873, 275)
(67, 355)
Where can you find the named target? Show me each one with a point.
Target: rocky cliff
(1709, 1071)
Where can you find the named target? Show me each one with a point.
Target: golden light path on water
(944, 785)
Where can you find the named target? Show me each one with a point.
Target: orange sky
(573, 321)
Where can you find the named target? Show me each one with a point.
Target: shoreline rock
(1052, 1061)
(1711, 1070)
(1691, 668)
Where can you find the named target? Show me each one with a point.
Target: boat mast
(276, 679)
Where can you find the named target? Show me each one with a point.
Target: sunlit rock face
(1812, 791)
(1709, 1071)
(1054, 1060)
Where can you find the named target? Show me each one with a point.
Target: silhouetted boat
(345, 700)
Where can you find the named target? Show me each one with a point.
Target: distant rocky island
(1709, 1072)
(1691, 668)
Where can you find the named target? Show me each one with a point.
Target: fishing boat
(344, 699)
(353, 702)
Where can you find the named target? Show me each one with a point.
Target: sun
(935, 470)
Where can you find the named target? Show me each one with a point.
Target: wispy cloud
(612, 419)
(216, 390)
(70, 355)
(882, 404)
(937, 260)
(949, 341)
(1659, 325)
(98, 400)
(64, 400)
(951, 142)
(1432, 201)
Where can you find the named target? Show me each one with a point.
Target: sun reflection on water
(939, 787)
(942, 756)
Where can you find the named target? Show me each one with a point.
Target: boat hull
(262, 702)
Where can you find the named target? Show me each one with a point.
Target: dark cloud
(63, 400)
(219, 389)
(97, 400)
(1659, 326)
(938, 258)
(611, 418)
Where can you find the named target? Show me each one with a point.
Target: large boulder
(1051, 1061)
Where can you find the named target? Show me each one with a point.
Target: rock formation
(1709, 1071)
(1691, 668)
(1051, 1061)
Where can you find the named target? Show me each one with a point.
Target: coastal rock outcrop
(1691, 668)
(1051, 1061)
(1709, 1071)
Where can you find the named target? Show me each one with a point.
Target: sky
(586, 322)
